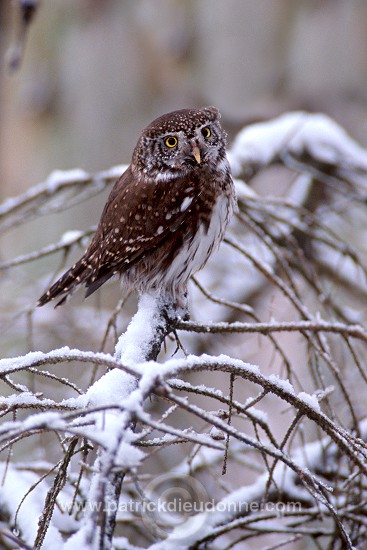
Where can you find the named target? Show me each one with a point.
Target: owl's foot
(178, 305)
(175, 310)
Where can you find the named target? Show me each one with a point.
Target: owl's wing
(136, 220)
(138, 216)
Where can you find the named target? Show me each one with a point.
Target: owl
(166, 214)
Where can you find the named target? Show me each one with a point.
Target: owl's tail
(64, 287)
(85, 272)
(82, 273)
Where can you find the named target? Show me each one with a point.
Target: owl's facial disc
(181, 144)
(185, 151)
(181, 152)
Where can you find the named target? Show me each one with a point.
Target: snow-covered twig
(141, 342)
(307, 138)
(291, 250)
(353, 331)
(77, 183)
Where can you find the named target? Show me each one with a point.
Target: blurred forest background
(94, 73)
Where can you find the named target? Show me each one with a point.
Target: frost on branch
(154, 319)
(265, 382)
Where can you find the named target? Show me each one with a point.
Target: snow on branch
(74, 185)
(304, 137)
(353, 331)
(114, 436)
(268, 390)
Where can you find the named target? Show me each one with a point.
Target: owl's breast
(192, 218)
(198, 244)
(210, 232)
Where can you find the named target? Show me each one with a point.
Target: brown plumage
(165, 215)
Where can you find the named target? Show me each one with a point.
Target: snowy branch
(286, 292)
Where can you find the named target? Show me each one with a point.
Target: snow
(117, 387)
(205, 457)
(133, 344)
(114, 172)
(12, 364)
(23, 399)
(176, 365)
(227, 508)
(181, 384)
(260, 144)
(60, 177)
(57, 179)
(127, 393)
(260, 415)
(69, 237)
(110, 389)
(77, 541)
(128, 456)
(216, 433)
(65, 353)
(310, 400)
(284, 385)
(243, 190)
(17, 484)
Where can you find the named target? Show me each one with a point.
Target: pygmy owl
(165, 215)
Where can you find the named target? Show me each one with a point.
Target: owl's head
(177, 143)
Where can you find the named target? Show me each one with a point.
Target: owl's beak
(196, 153)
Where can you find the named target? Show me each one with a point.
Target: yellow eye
(171, 141)
(206, 132)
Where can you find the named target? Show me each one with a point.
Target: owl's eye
(206, 133)
(171, 141)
